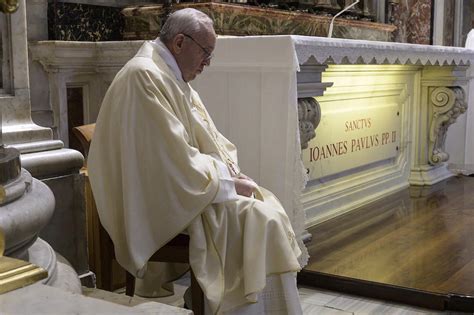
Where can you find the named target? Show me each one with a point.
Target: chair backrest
(84, 133)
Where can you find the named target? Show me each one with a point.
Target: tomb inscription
(353, 137)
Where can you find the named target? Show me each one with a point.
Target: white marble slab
(42, 299)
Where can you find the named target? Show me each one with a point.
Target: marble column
(42, 156)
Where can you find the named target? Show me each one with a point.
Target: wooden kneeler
(175, 251)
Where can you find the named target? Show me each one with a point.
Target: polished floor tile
(414, 246)
(310, 309)
(313, 302)
(321, 298)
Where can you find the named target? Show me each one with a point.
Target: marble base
(60, 273)
(22, 219)
(41, 254)
(58, 168)
(429, 175)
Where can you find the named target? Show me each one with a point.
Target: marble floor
(433, 225)
(414, 246)
(314, 302)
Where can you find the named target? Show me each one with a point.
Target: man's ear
(177, 43)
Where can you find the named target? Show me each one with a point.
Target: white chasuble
(152, 167)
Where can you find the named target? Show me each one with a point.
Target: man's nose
(207, 62)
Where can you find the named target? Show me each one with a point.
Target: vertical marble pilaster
(36, 14)
(413, 21)
(467, 20)
(17, 124)
(441, 102)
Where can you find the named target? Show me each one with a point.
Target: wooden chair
(175, 251)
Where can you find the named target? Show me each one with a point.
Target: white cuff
(226, 190)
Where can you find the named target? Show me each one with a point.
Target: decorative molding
(309, 81)
(309, 116)
(319, 50)
(447, 104)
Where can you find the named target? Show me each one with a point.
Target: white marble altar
(252, 89)
(423, 82)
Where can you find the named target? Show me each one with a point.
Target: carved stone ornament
(8, 6)
(447, 103)
(309, 116)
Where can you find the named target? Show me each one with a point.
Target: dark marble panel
(467, 20)
(82, 22)
(419, 23)
(400, 15)
(413, 22)
(448, 30)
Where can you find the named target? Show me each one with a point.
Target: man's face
(193, 52)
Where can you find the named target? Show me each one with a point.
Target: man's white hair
(186, 21)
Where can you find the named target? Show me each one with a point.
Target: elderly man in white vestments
(158, 167)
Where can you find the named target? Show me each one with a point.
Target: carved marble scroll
(309, 116)
(447, 103)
